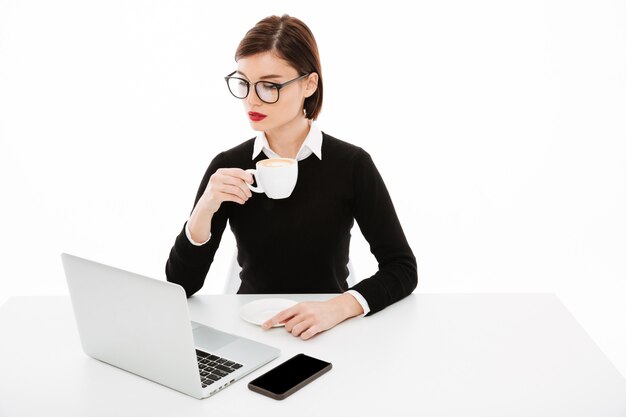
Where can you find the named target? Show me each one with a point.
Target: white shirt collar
(312, 144)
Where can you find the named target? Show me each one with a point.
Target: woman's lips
(256, 117)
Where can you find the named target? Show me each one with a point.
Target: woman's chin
(256, 126)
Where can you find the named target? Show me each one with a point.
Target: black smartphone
(288, 377)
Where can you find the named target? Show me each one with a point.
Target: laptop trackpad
(210, 339)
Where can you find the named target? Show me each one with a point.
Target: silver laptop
(142, 325)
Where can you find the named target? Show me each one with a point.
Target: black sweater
(300, 244)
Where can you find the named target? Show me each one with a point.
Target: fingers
(239, 184)
(300, 328)
(234, 177)
(296, 322)
(305, 329)
(227, 184)
(281, 317)
(309, 333)
(234, 190)
(231, 197)
(237, 173)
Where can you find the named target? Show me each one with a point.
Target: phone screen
(290, 373)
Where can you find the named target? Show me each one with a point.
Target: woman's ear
(311, 84)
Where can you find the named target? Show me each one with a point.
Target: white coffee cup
(276, 177)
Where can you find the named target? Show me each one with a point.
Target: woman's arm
(397, 274)
(374, 212)
(188, 264)
(306, 319)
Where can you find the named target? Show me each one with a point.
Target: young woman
(299, 244)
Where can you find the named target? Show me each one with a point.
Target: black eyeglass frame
(276, 85)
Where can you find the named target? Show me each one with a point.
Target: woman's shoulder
(241, 152)
(341, 149)
(243, 149)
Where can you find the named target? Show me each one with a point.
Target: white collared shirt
(312, 145)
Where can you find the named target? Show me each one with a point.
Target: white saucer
(259, 311)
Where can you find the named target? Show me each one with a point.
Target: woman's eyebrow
(263, 77)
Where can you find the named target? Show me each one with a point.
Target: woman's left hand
(308, 318)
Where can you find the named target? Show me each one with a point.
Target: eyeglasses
(267, 91)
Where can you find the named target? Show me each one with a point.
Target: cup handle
(258, 188)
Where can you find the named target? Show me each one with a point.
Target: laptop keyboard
(213, 368)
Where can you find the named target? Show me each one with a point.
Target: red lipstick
(256, 117)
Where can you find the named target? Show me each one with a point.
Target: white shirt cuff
(361, 300)
(189, 236)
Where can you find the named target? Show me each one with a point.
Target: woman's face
(267, 66)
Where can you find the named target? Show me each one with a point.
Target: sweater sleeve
(188, 264)
(376, 216)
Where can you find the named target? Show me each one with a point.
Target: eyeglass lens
(266, 91)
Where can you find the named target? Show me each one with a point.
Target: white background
(499, 128)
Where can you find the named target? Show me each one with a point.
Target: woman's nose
(253, 99)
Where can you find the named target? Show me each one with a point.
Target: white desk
(429, 355)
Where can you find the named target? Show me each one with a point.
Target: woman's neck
(287, 139)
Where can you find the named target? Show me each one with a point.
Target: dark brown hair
(290, 39)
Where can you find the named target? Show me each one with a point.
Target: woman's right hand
(226, 184)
